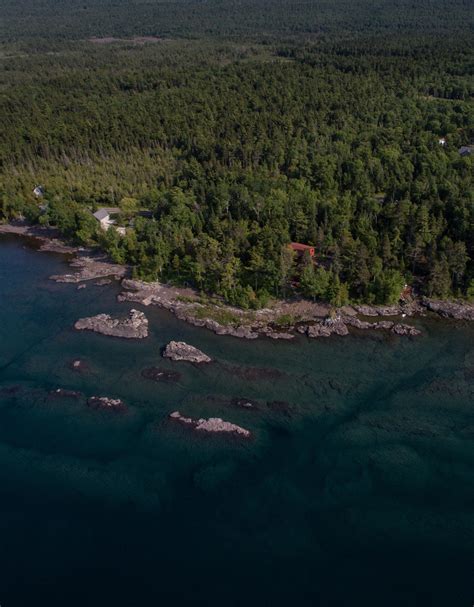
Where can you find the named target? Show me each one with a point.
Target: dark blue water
(357, 487)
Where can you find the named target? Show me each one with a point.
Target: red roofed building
(300, 249)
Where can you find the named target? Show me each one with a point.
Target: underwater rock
(104, 402)
(61, 392)
(157, 374)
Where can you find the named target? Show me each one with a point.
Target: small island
(181, 351)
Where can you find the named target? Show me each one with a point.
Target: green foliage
(388, 286)
(246, 131)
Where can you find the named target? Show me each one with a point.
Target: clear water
(357, 487)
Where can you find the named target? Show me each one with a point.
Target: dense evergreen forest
(244, 126)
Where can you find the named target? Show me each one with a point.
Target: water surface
(356, 488)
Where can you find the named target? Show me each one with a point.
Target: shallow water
(356, 488)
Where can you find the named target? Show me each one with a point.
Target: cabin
(103, 216)
(300, 249)
(38, 191)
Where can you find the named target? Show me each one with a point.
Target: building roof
(101, 214)
(466, 150)
(297, 246)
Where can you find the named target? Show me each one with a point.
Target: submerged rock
(244, 403)
(133, 327)
(179, 350)
(213, 424)
(63, 393)
(78, 365)
(161, 375)
(104, 402)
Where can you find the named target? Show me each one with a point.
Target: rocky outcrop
(133, 327)
(211, 425)
(450, 309)
(104, 402)
(179, 350)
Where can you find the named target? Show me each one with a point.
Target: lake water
(357, 487)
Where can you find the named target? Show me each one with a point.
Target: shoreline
(283, 319)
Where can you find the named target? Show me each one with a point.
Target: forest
(242, 127)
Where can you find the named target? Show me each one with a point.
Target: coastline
(283, 319)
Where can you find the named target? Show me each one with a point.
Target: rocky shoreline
(283, 320)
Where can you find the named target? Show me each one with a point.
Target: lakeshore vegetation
(243, 126)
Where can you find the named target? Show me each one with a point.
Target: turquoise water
(357, 487)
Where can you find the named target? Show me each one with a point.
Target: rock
(179, 350)
(78, 365)
(366, 310)
(385, 325)
(82, 286)
(212, 425)
(161, 375)
(449, 309)
(401, 329)
(133, 327)
(357, 323)
(244, 403)
(104, 402)
(327, 327)
(102, 282)
(276, 334)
